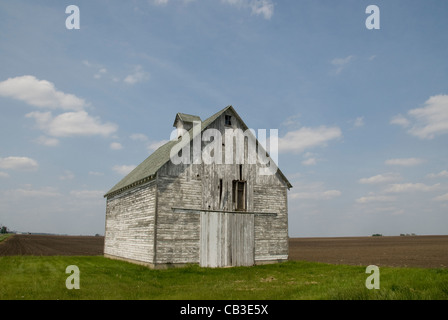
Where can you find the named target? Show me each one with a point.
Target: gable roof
(147, 170)
(186, 118)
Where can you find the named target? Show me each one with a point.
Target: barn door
(227, 239)
(242, 240)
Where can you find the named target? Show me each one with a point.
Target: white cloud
(443, 197)
(87, 194)
(341, 63)
(400, 120)
(429, 121)
(18, 163)
(410, 187)
(154, 145)
(291, 121)
(380, 178)
(309, 162)
(3, 175)
(375, 198)
(316, 195)
(406, 162)
(28, 191)
(123, 169)
(359, 122)
(43, 94)
(137, 76)
(47, 141)
(264, 8)
(95, 173)
(39, 93)
(305, 138)
(71, 124)
(116, 146)
(68, 175)
(139, 137)
(159, 2)
(441, 174)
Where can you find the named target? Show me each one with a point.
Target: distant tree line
(4, 229)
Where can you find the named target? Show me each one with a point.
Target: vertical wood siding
(227, 239)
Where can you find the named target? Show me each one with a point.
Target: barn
(176, 208)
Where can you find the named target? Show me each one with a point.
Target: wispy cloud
(400, 120)
(29, 191)
(341, 63)
(263, 8)
(87, 194)
(4, 175)
(159, 2)
(375, 198)
(359, 122)
(138, 75)
(426, 122)
(18, 163)
(68, 175)
(406, 162)
(441, 174)
(316, 195)
(410, 187)
(380, 178)
(123, 169)
(443, 197)
(305, 138)
(47, 141)
(138, 137)
(95, 173)
(116, 146)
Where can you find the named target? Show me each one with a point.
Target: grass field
(44, 277)
(4, 236)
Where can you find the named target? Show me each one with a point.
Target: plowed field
(49, 245)
(412, 251)
(405, 251)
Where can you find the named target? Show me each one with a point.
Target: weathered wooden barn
(166, 214)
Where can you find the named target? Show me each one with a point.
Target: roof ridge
(149, 167)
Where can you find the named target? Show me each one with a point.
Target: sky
(361, 112)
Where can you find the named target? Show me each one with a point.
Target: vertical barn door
(227, 239)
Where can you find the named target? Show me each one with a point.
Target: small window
(239, 195)
(228, 120)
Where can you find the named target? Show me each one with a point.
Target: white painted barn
(195, 212)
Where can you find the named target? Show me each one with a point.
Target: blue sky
(362, 114)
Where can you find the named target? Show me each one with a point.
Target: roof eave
(130, 186)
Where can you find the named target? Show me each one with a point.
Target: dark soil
(406, 251)
(52, 245)
(399, 251)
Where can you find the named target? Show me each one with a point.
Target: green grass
(4, 236)
(32, 277)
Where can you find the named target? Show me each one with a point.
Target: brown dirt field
(52, 245)
(410, 251)
(405, 251)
